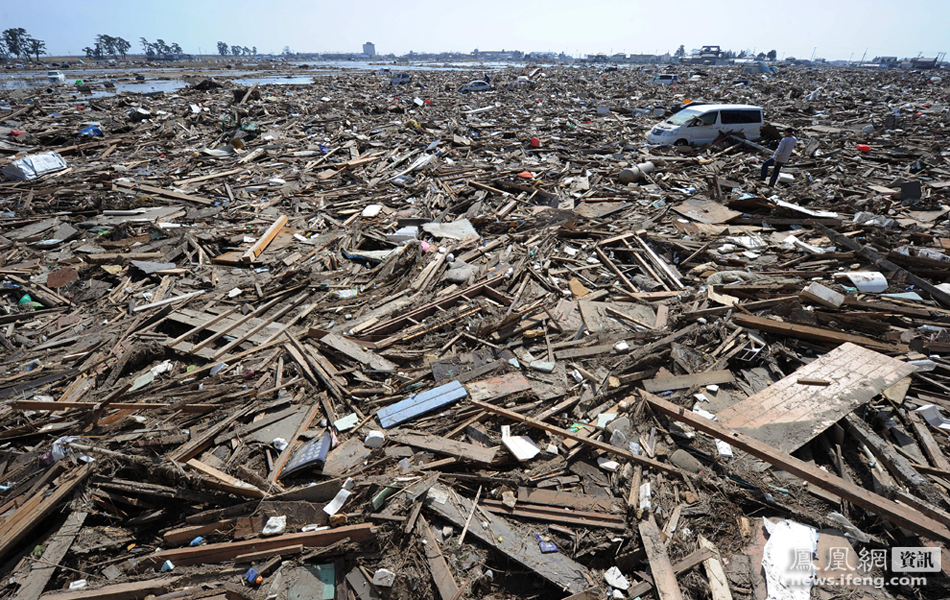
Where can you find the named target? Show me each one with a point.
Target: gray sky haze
(838, 28)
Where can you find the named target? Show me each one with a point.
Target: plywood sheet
(788, 414)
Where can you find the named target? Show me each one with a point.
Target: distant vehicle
(385, 71)
(475, 86)
(664, 79)
(400, 78)
(18, 66)
(700, 125)
(522, 81)
(55, 76)
(610, 68)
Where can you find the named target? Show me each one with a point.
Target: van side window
(740, 117)
(709, 118)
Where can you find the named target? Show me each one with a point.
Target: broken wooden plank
(566, 499)
(680, 382)
(788, 414)
(260, 245)
(225, 482)
(664, 578)
(649, 462)
(353, 350)
(136, 590)
(212, 553)
(901, 515)
(718, 583)
(691, 561)
(128, 185)
(60, 493)
(810, 332)
(556, 568)
(433, 443)
(56, 548)
(441, 574)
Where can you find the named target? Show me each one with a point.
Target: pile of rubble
(355, 340)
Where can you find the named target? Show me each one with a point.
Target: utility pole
(813, 53)
(865, 55)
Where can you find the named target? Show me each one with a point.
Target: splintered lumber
(56, 548)
(439, 445)
(212, 553)
(897, 465)
(38, 512)
(556, 568)
(898, 514)
(679, 568)
(441, 574)
(54, 406)
(536, 512)
(225, 482)
(354, 351)
(788, 414)
(810, 332)
(260, 245)
(664, 578)
(718, 584)
(608, 448)
(135, 590)
(682, 382)
(566, 499)
(160, 192)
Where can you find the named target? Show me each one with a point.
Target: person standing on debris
(487, 79)
(780, 156)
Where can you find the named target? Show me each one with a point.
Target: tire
(681, 142)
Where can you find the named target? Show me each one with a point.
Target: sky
(831, 29)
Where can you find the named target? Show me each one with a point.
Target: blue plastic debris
(91, 130)
(415, 406)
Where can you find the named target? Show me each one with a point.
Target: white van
(699, 125)
(665, 78)
(56, 77)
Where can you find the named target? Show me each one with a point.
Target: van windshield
(683, 116)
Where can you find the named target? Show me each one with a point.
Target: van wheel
(681, 142)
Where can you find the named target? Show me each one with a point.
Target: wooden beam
(718, 583)
(808, 332)
(667, 588)
(679, 568)
(260, 245)
(43, 509)
(56, 549)
(608, 448)
(229, 550)
(161, 192)
(136, 590)
(441, 574)
(898, 514)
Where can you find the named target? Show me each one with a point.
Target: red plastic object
(535, 142)
(864, 148)
(16, 132)
(428, 101)
(81, 107)
(526, 174)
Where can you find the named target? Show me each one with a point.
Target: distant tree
(728, 54)
(36, 47)
(760, 56)
(175, 48)
(122, 46)
(90, 52)
(743, 54)
(772, 54)
(222, 48)
(147, 47)
(3, 49)
(161, 47)
(254, 50)
(16, 40)
(106, 44)
(246, 51)
(286, 51)
(680, 52)
(236, 50)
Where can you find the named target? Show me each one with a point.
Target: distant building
(924, 63)
(369, 49)
(886, 61)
